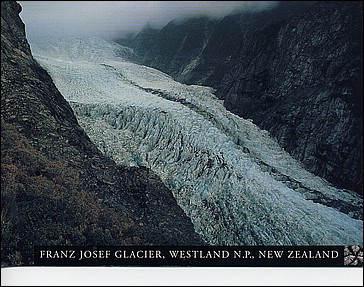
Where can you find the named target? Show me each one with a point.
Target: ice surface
(238, 186)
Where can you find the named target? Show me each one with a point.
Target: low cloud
(116, 18)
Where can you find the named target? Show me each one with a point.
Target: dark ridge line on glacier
(316, 196)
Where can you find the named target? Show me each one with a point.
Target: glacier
(234, 181)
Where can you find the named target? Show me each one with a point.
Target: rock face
(296, 70)
(56, 186)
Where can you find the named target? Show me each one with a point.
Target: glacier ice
(238, 186)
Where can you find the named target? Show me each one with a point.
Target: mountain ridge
(56, 187)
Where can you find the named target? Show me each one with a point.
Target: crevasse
(234, 181)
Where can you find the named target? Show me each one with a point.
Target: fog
(111, 19)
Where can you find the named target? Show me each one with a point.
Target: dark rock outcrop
(302, 84)
(296, 70)
(56, 186)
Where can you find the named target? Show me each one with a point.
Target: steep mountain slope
(296, 70)
(56, 186)
(235, 183)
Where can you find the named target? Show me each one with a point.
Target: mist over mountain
(295, 69)
(110, 19)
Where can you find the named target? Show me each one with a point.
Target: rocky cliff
(296, 70)
(56, 186)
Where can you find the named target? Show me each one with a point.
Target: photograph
(189, 136)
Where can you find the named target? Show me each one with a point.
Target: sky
(110, 19)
